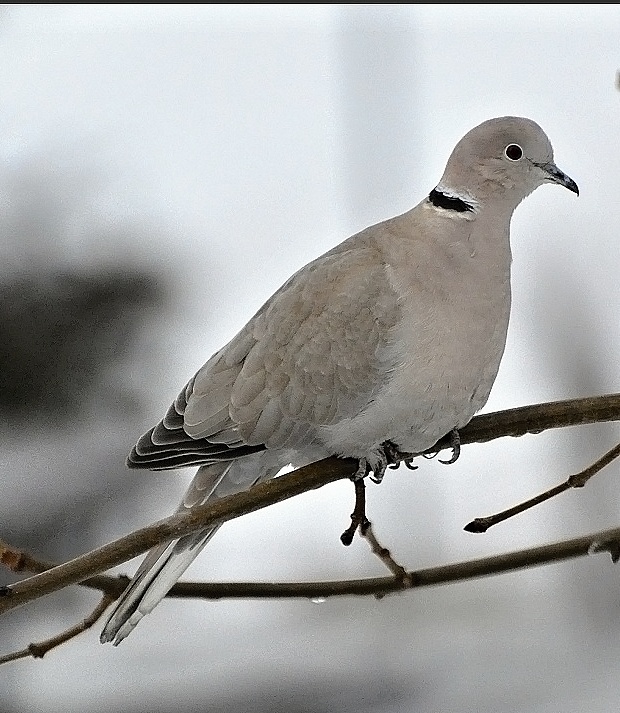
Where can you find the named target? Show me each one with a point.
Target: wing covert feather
(310, 356)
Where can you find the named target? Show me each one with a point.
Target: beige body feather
(394, 335)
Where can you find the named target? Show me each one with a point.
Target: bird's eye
(513, 152)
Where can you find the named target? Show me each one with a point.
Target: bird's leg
(455, 444)
(388, 455)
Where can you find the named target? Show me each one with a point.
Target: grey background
(163, 169)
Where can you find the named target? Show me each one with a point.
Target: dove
(391, 340)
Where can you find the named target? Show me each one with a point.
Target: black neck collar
(442, 200)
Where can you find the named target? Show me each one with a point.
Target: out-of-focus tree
(61, 335)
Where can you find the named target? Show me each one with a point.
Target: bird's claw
(389, 456)
(455, 444)
(379, 468)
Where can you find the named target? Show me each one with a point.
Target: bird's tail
(165, 563)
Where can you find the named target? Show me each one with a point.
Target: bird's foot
(363, 469)
(453, 441)
(388, 455)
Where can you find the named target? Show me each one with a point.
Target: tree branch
(178, 525)
(39, 649)
(604, 541)
(594, 543)
(515, 422)
(577, 480)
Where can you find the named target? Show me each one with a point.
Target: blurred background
(163, 169)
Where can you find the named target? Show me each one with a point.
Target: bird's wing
(312, 355)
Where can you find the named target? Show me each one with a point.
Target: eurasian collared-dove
(393, 338)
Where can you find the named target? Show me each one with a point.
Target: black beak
(554, 175)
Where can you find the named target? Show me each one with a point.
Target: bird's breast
(440, 358)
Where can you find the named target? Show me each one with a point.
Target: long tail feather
(165, 563)
(155, 577)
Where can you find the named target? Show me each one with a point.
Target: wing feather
(310, 356)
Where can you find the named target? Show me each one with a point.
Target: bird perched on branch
(387, 342)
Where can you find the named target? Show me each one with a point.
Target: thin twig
(358, 516)
(39, 649)
(401, 576)
(361, 522)
(578, 480)
(17, 560)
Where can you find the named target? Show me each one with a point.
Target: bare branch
(578, 480)
(358, 516)
(17, 560)
(603, 541)
(515, 422)
(38, 650)
(401, 576)
(538, 418)
(178, 525)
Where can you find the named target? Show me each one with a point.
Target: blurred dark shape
(61, 333)
(67, 321)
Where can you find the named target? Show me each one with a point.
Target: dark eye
(513, 152)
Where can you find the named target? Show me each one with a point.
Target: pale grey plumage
(394, 335)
